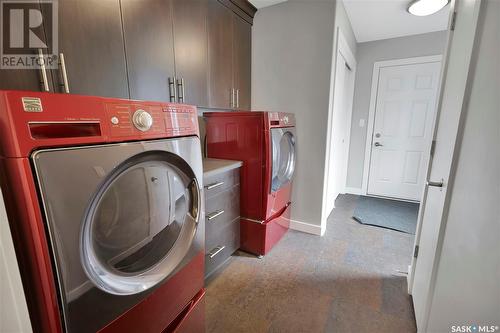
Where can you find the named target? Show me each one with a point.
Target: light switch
(361, 123)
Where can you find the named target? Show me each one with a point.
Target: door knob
(378, 144)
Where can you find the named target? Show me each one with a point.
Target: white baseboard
(353, 190)
(306, 227)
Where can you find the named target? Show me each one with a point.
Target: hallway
(350, 280)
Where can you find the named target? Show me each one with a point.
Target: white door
(341, 125)
(430, 228)
(404, 115)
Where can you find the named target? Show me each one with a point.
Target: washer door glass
(140, 223)
(283, 150)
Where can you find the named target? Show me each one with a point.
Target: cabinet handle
(43, 71)
(64, 73)
(237, 98)
(216, 251)
(214, 185)
(171, 89)
(180, 90)
(232, 98)
(213, 215)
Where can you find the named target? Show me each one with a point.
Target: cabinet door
(220, 55)
(23, 79)
(26, 79)
(242, 61)
(91, 39)
(191, 49)
(147, 27)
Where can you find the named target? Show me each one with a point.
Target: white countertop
(214, 166)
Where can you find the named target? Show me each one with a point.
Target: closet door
(149, 45)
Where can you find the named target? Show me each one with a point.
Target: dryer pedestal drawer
(222, 215)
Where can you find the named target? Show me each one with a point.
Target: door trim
(345, 50)
(340, 46)
(377, 66)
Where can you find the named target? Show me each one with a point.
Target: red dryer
(104, 201)
(265, 142)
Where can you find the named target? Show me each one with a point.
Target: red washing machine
(105, 204)
(265, 142)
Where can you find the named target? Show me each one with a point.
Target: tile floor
(350, 280)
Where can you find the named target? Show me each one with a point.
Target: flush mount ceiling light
(426, 7)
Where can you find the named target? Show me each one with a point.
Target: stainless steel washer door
(283, 157)
(140, 223)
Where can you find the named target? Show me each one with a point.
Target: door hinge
(453, 21)
(433, 147)
(415, 252)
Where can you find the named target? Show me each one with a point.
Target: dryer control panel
(280, 119)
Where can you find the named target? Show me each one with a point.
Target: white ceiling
(382, 19)
(265, 3)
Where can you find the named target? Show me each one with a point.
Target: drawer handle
(216, 251)
(214, 185)
(213, 215)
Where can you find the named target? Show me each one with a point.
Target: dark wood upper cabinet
(229, 54)
(191, 49)
(149, 45)
(26, 79)
(91, 40)
(242, 62)
(220, 55)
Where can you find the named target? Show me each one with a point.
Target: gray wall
(367, 54)
(292, 45)
(467, 287)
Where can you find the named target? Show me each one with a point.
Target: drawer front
(220, 211)
(228, 243)
(219, 183)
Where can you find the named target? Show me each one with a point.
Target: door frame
(341, 46)
(377, 66)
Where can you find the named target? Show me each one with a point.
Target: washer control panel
(281, 119)
(142, 120)
(149, 119)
